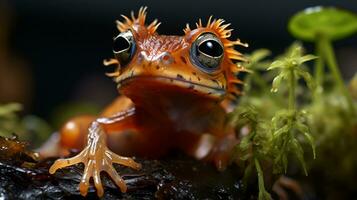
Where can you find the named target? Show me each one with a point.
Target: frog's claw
(96, 158)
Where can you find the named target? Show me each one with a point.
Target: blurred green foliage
(28, 128)
(66, 111)
(333, 22)
(34, 129)
(8, 118)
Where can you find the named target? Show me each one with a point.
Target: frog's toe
(83, 187)
(98, 183)
(62, 163)
(116, 178)
(91, 170)
(87, 174)
(126, 161)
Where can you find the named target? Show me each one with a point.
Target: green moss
(274, 133)
(292, 118)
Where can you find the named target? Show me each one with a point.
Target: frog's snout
(164, 58)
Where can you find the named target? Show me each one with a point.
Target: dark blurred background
(52, 51)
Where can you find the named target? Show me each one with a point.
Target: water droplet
(274, 90)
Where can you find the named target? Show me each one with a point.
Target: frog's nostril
(166, 58)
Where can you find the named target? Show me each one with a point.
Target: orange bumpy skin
(175, 93)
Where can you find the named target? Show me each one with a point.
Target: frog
(175, 94)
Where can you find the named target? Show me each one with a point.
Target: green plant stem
(329, 55)
(260, 174)
(291, 108)
(319, 67)
(263, 194)
(292, 86)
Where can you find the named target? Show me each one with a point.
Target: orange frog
(175, 93)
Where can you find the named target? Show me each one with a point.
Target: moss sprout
(323, 25)
(288, 121)
(254, 147)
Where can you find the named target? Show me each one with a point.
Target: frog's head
(199, 63)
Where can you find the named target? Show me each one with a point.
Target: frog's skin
(169, 100)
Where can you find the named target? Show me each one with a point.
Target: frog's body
(175, 91)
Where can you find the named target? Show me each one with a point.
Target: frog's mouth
(148, 81)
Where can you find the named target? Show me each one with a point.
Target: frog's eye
(207, 52)
(124, 47)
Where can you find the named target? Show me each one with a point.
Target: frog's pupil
(211, 48)
(120, 44)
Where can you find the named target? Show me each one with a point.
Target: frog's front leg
(223, 150)
(96, 156)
